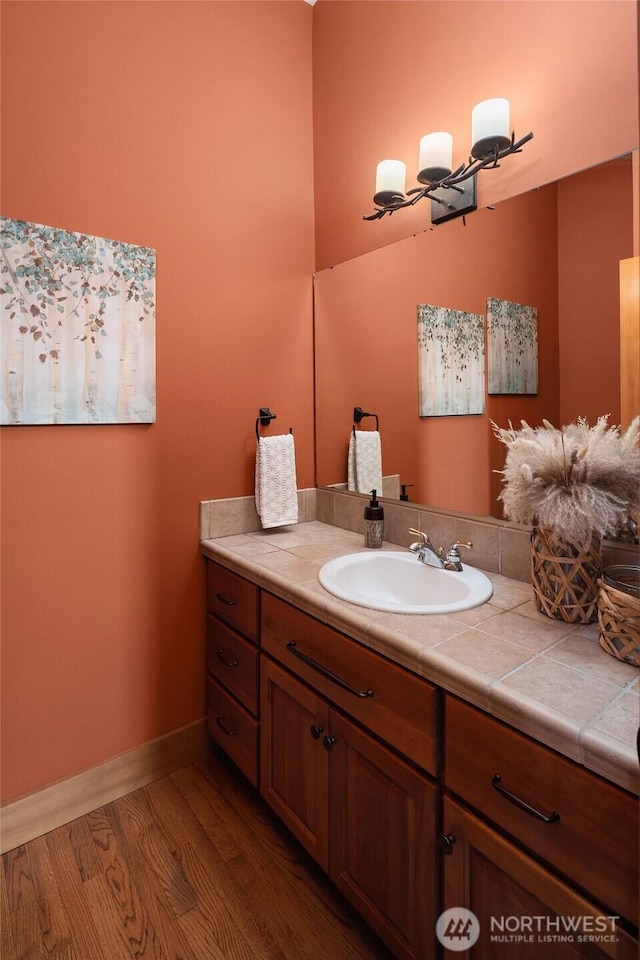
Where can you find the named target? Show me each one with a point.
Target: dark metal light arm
(464, 172)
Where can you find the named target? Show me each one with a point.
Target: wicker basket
(619, 616)
(565, 577)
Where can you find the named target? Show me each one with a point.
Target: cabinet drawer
(234, 729)
(594, 838)
(233, 599)
(234, 662)
(401, 707)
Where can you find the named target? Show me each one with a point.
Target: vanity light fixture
(452, 194)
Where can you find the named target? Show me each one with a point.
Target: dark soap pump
(373, 523)
(403, 491)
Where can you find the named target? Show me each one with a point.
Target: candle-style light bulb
(489, 127)
(436, 152)
(390, 181)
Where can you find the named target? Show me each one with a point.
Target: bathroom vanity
(392, 763)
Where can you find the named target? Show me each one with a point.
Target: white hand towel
(364, 471)
(276, 486)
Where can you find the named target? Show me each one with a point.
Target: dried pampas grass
(579, 481)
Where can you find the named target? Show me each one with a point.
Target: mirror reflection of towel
(276, 486)
(364, 472)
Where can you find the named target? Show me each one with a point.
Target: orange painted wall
(177, 126)
(595, 232)
(367, 354)
(386, 73)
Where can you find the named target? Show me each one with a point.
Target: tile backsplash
(498, 545)
(226, 518)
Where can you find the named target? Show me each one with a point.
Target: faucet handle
(419, 533)
(452, 561)
(453, 553)
(467, 544)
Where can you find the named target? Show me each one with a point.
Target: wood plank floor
(192, 867)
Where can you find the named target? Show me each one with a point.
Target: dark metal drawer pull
(318, 667)
(228, 663)
(223, 726)
(496, 783)
(446, 843)
(230, 603)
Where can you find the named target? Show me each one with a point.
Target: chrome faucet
(425, 550)
(427, 553)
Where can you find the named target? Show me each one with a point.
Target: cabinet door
(524, 912)
(382, 833)
(294, 765)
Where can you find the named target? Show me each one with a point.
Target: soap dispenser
(373, 523)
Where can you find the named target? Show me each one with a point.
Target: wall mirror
(556, 248)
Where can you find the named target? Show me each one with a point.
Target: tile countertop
(549, 679)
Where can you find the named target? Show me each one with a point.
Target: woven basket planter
(565, 577)
(619, 620)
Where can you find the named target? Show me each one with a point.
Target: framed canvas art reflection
(451, 362)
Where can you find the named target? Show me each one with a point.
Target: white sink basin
(399, 582)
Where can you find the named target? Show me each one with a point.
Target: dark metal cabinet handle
(329, 743)
(223, 726)
(496, 783)
(229, 603)
(446, 844)
(228, 663)
(292, 647)
(316, 730)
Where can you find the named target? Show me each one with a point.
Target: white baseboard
(37, 813)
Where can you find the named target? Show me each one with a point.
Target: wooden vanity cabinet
(366, 814)
(233, 667)
(346, 748)
(579, 833)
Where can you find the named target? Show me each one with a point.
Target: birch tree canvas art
(451, 362)
(512, 345)
(77, 317)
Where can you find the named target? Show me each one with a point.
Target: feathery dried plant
(578, 481)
